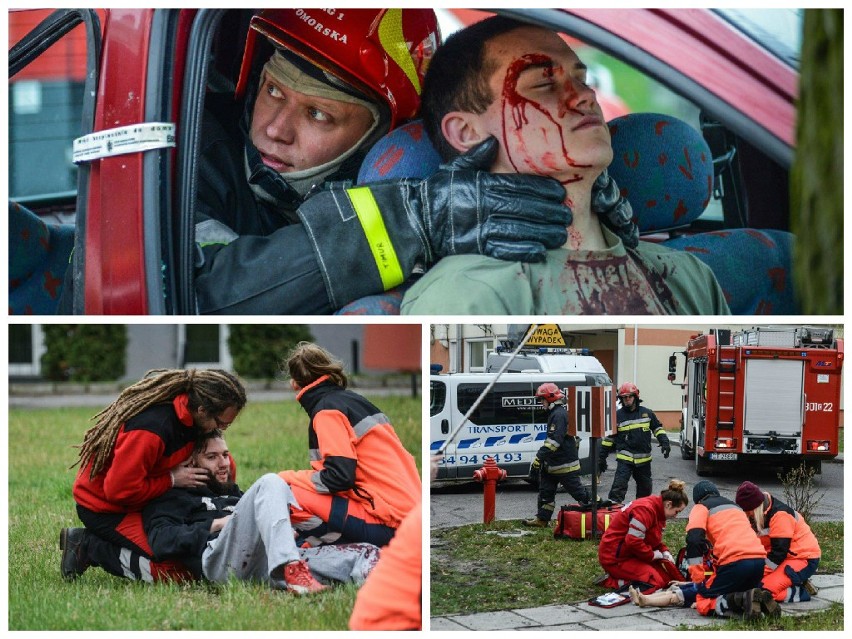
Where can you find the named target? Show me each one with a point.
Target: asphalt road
(462, 504)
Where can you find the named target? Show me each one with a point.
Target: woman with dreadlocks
(135, 452)
(362, 482)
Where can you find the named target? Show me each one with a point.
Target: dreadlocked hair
(214, 390)
(307, 362)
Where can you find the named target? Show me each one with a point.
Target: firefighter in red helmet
(278, 227)
(557, 461)
(635, 425)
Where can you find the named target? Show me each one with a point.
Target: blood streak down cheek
(516, 121)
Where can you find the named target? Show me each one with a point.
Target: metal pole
(482, 395)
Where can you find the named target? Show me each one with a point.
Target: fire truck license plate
(723, 456)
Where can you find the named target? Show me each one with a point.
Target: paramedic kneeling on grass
(632, 548)
(525, 87)
(136, 452)
(362, 482)
(792, 550)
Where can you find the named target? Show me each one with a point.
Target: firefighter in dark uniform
(632, 443)
(556, 462)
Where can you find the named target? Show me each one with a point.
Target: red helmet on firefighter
(628, 388)
(382, 52)
(549, 392)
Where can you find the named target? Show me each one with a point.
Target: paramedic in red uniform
(136, 452)
(632, 443)
(556, 462)
(362, 481)
(792, 550)
(632, 547)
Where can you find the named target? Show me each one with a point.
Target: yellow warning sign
(547, 335)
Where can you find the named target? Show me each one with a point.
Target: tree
(816, 178)
(257, 349)
(84, 352)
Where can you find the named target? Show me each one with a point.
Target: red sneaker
(299, 579)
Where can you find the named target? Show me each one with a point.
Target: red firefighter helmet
(382, 52)
(549, 392)
(628, 388)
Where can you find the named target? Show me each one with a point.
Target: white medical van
(509, 424)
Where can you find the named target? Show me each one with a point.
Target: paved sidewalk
(585, 617)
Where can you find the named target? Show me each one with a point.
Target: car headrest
(663, 167)
(404, 152)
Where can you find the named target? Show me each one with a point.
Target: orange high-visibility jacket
(726, 527)
(787, 535)
(355, 452)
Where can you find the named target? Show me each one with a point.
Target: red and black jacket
(147, 447)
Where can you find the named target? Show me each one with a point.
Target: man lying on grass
(226, 533)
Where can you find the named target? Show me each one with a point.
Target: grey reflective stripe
(145, 570)
(317, 482)
(314, 454)
(213, 232)
(550, 444)
(125, 557)
(636, 533)
(563, 469)
(367, 423)
(720, 508)
(635, 523)
(630, 424)
(694, 561)
(771, 564)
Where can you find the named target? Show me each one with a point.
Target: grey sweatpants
(259, 538)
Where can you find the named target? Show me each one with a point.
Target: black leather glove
(614, 210)
(665, 446)
(602, 466)
(369, 239)
(504, 215)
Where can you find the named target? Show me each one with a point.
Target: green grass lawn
(267, 437)
(473, 569)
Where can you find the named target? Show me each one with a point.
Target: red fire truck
(768, 394)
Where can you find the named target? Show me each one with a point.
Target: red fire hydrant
(489, 475)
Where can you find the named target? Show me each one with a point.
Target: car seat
(38, 258)
(665, 169)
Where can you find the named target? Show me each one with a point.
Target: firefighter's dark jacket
(632, 441)
(178, 523)
(723, 525)
(558, 454)
(355, 453)
(254, 257)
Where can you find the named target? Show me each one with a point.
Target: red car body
(128, 204)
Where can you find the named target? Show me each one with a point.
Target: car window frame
(36, 42)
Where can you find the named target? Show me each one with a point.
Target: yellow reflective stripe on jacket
(629, 457)
(377, 236)
(633, 424)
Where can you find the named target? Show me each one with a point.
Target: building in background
(629, 352)
(362, 348)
